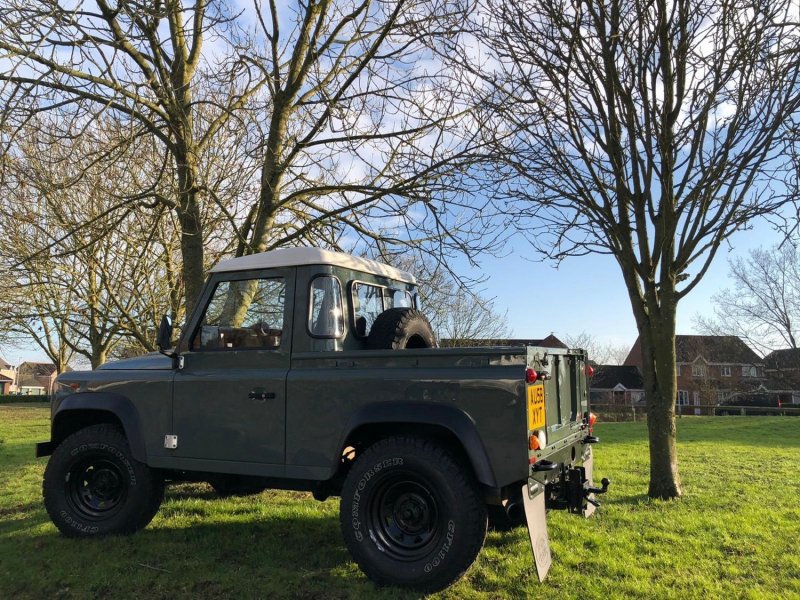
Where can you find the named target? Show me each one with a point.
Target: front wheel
(94, 487)
(412, 515)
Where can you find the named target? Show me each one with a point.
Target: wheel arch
(447, 423)
(91, 408)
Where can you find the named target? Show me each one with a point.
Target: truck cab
(314, 370)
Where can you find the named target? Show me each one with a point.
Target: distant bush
(13, 398)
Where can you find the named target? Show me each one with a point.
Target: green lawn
(736, 534)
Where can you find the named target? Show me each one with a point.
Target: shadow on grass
(16, 519)
(272, 557)
(186, 491)
(9, 511)
(15, 453)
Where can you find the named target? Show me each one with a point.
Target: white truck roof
(291, 257)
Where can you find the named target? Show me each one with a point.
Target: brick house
(782, 369)
(710, 368)
(5, 385)
(617, 385)
(8, 377)
(36, 378)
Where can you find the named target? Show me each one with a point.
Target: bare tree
(30, 308)
(115, 272)
(646, 129)
(347, 128)
(139, 62)
(466, 318)
(457, 311)
(360, 147)
(599, 352)
(763, 304)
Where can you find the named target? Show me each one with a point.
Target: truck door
(229, 399)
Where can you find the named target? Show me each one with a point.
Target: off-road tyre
(412, 514)
(93, 486)
(400, 328)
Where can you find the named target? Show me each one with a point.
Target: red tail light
(531, 376)
(589, 370)
(592, 421)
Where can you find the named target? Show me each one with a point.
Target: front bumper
(44, 449)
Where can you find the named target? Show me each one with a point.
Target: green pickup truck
(312, 370)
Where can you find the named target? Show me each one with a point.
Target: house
(710, 368)
(5, 385)
(617, 385)
(8, 377)
(782, 370)
(36, 378)
(550, 341)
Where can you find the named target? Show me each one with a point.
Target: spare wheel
(399, 328)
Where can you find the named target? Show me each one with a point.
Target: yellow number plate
(536, 407)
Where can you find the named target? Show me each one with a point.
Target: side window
(243, 314)
(325, 314)
(367, 305)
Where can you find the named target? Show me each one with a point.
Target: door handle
(261, 395)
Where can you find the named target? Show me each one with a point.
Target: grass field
(736, 534)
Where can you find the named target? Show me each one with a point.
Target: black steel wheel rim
(96, 487)
(404, 516)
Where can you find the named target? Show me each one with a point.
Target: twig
(146, 566)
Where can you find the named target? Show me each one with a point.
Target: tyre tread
(113, 435)
(388, 330)
(472, 502)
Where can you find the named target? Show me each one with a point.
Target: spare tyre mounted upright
(400, 328)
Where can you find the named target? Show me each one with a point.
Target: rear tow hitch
(604, 482)
(579, 490)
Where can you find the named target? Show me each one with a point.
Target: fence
(617, 412)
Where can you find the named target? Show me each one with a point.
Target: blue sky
(587, 293)
(582, 294)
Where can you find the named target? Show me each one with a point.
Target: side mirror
(164, 340)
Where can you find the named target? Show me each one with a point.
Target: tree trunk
(99, 357)
(272, 172)
(657, 337)
(191, 231)
(191, 252)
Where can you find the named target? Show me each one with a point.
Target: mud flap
(533, 500)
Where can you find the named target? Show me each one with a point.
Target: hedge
(15, 398)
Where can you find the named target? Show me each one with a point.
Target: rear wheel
(411, 514)
(94, 487)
